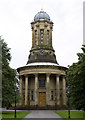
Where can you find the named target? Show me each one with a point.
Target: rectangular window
(35, 37)
(51, 95)
(41, 83)
(47, 36)
(32, 95)
(55, 95)
(41, 35)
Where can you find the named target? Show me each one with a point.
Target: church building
(42, 80)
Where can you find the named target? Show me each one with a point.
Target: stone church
(42, 80)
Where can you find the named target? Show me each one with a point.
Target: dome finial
(41, 9)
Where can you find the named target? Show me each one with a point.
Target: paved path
(43, 114)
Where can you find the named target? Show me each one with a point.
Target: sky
(67, 35)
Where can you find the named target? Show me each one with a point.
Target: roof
(37, 64)
(41, 16)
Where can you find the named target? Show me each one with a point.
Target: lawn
(10, 114)
(73, 114)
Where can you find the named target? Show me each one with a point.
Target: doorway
(42, 99)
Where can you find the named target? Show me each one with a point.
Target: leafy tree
(8, 76)
(76, 81)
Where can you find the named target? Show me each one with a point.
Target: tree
(76, 81)
(8, 76)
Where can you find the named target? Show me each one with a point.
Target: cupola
(42, 49)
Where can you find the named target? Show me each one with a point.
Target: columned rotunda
(42, 80)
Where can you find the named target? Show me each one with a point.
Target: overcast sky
(67, 36)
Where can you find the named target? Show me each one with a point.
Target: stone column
(21, 90)
(64, 90)
(26, 90)
(57, 90)
(36, 89)
(47, 88)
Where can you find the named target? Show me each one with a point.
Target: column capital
(48, 74)
(36, 74)
(26, 75)
(63, 76)
(57, 75)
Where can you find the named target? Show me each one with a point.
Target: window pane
(32, 95)
(41, 83)
(47, 36)
(51, 95)
(41, 35)
(35, 37)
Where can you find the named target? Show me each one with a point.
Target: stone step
(40, 108)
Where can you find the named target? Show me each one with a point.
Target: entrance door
(42, 99)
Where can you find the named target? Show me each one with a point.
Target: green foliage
(76, 81)
(8, 76)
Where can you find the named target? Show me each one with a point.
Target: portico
(50, 86)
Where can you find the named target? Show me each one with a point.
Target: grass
(10, 114)
(73, 114)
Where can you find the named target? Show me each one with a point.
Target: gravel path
(43, 114)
